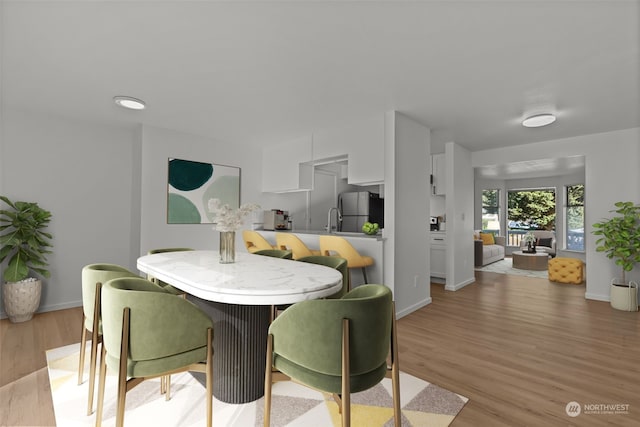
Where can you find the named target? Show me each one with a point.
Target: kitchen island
(366, 245)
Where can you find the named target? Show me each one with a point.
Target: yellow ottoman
(565, 270)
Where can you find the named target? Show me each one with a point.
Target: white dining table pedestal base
(239, 346)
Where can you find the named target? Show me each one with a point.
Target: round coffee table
(525, 261)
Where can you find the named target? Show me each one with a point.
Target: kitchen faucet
(339, 218)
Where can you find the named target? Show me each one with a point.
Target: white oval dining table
(238, 297)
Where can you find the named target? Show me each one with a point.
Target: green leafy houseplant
(620, 236)
(23, 239)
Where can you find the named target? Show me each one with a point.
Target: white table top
(251, 280)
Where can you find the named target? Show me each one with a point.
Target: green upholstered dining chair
(149, 333)
(338, 263)
(165, 285)
(275, 253)
(338, 346)
(93, 276)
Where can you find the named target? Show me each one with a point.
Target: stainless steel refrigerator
(358, 207)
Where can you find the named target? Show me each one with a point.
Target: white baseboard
(597, 297)
(51, 307)
(460, 285)
(413, 308)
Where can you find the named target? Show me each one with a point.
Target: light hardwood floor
(519, 348)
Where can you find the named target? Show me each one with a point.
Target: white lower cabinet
(438, 254)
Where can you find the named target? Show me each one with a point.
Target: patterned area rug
(423, 404)
(505, 267)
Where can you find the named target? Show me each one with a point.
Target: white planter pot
(21, 299)
(624, 297)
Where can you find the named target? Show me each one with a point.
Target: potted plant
(620, 240)
(24, 246)
(530, 240)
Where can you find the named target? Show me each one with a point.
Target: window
(574, 214)
(530, 209)
(491, 211)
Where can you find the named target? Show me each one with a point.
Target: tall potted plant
(619, 239)
(24, 246)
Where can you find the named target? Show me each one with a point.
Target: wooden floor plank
(519, 348)
(522, 348)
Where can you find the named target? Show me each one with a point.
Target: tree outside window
(527, 210)
(574, 209)
(491, 211)
(532, 209)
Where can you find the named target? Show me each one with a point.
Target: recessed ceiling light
(538, 120)
(129, 102)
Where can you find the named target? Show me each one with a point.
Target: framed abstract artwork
(190, 186)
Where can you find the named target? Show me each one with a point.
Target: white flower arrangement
(228, 219)
(529, 238)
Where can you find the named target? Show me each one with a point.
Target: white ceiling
(262, 72)
(541, 168)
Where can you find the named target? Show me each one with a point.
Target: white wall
(611, 175)
(83, 173)
(158, 145)
(407, 256)
(459, 209)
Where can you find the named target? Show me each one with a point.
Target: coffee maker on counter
(276, 219)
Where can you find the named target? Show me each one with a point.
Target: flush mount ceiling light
(539, 120)
(129, 102)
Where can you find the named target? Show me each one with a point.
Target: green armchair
(93, 276)
(337, 263)
(148, 333)
(338, 346)
(275, 253)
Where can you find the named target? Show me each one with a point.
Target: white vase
(21, 299)
(624, 297)
(227, 247)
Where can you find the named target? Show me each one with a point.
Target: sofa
(488, 249)
(545, 242)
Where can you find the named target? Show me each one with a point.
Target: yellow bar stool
(287, 241)
(336, 245)
(255, 241)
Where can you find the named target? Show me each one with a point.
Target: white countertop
(251, 280)
(346, 234)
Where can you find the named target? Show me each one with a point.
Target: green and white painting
(190, 186)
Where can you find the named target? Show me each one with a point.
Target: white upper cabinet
(286, 167)
(438, 186)
(362, 143)
(366, 152)
(289, 166)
